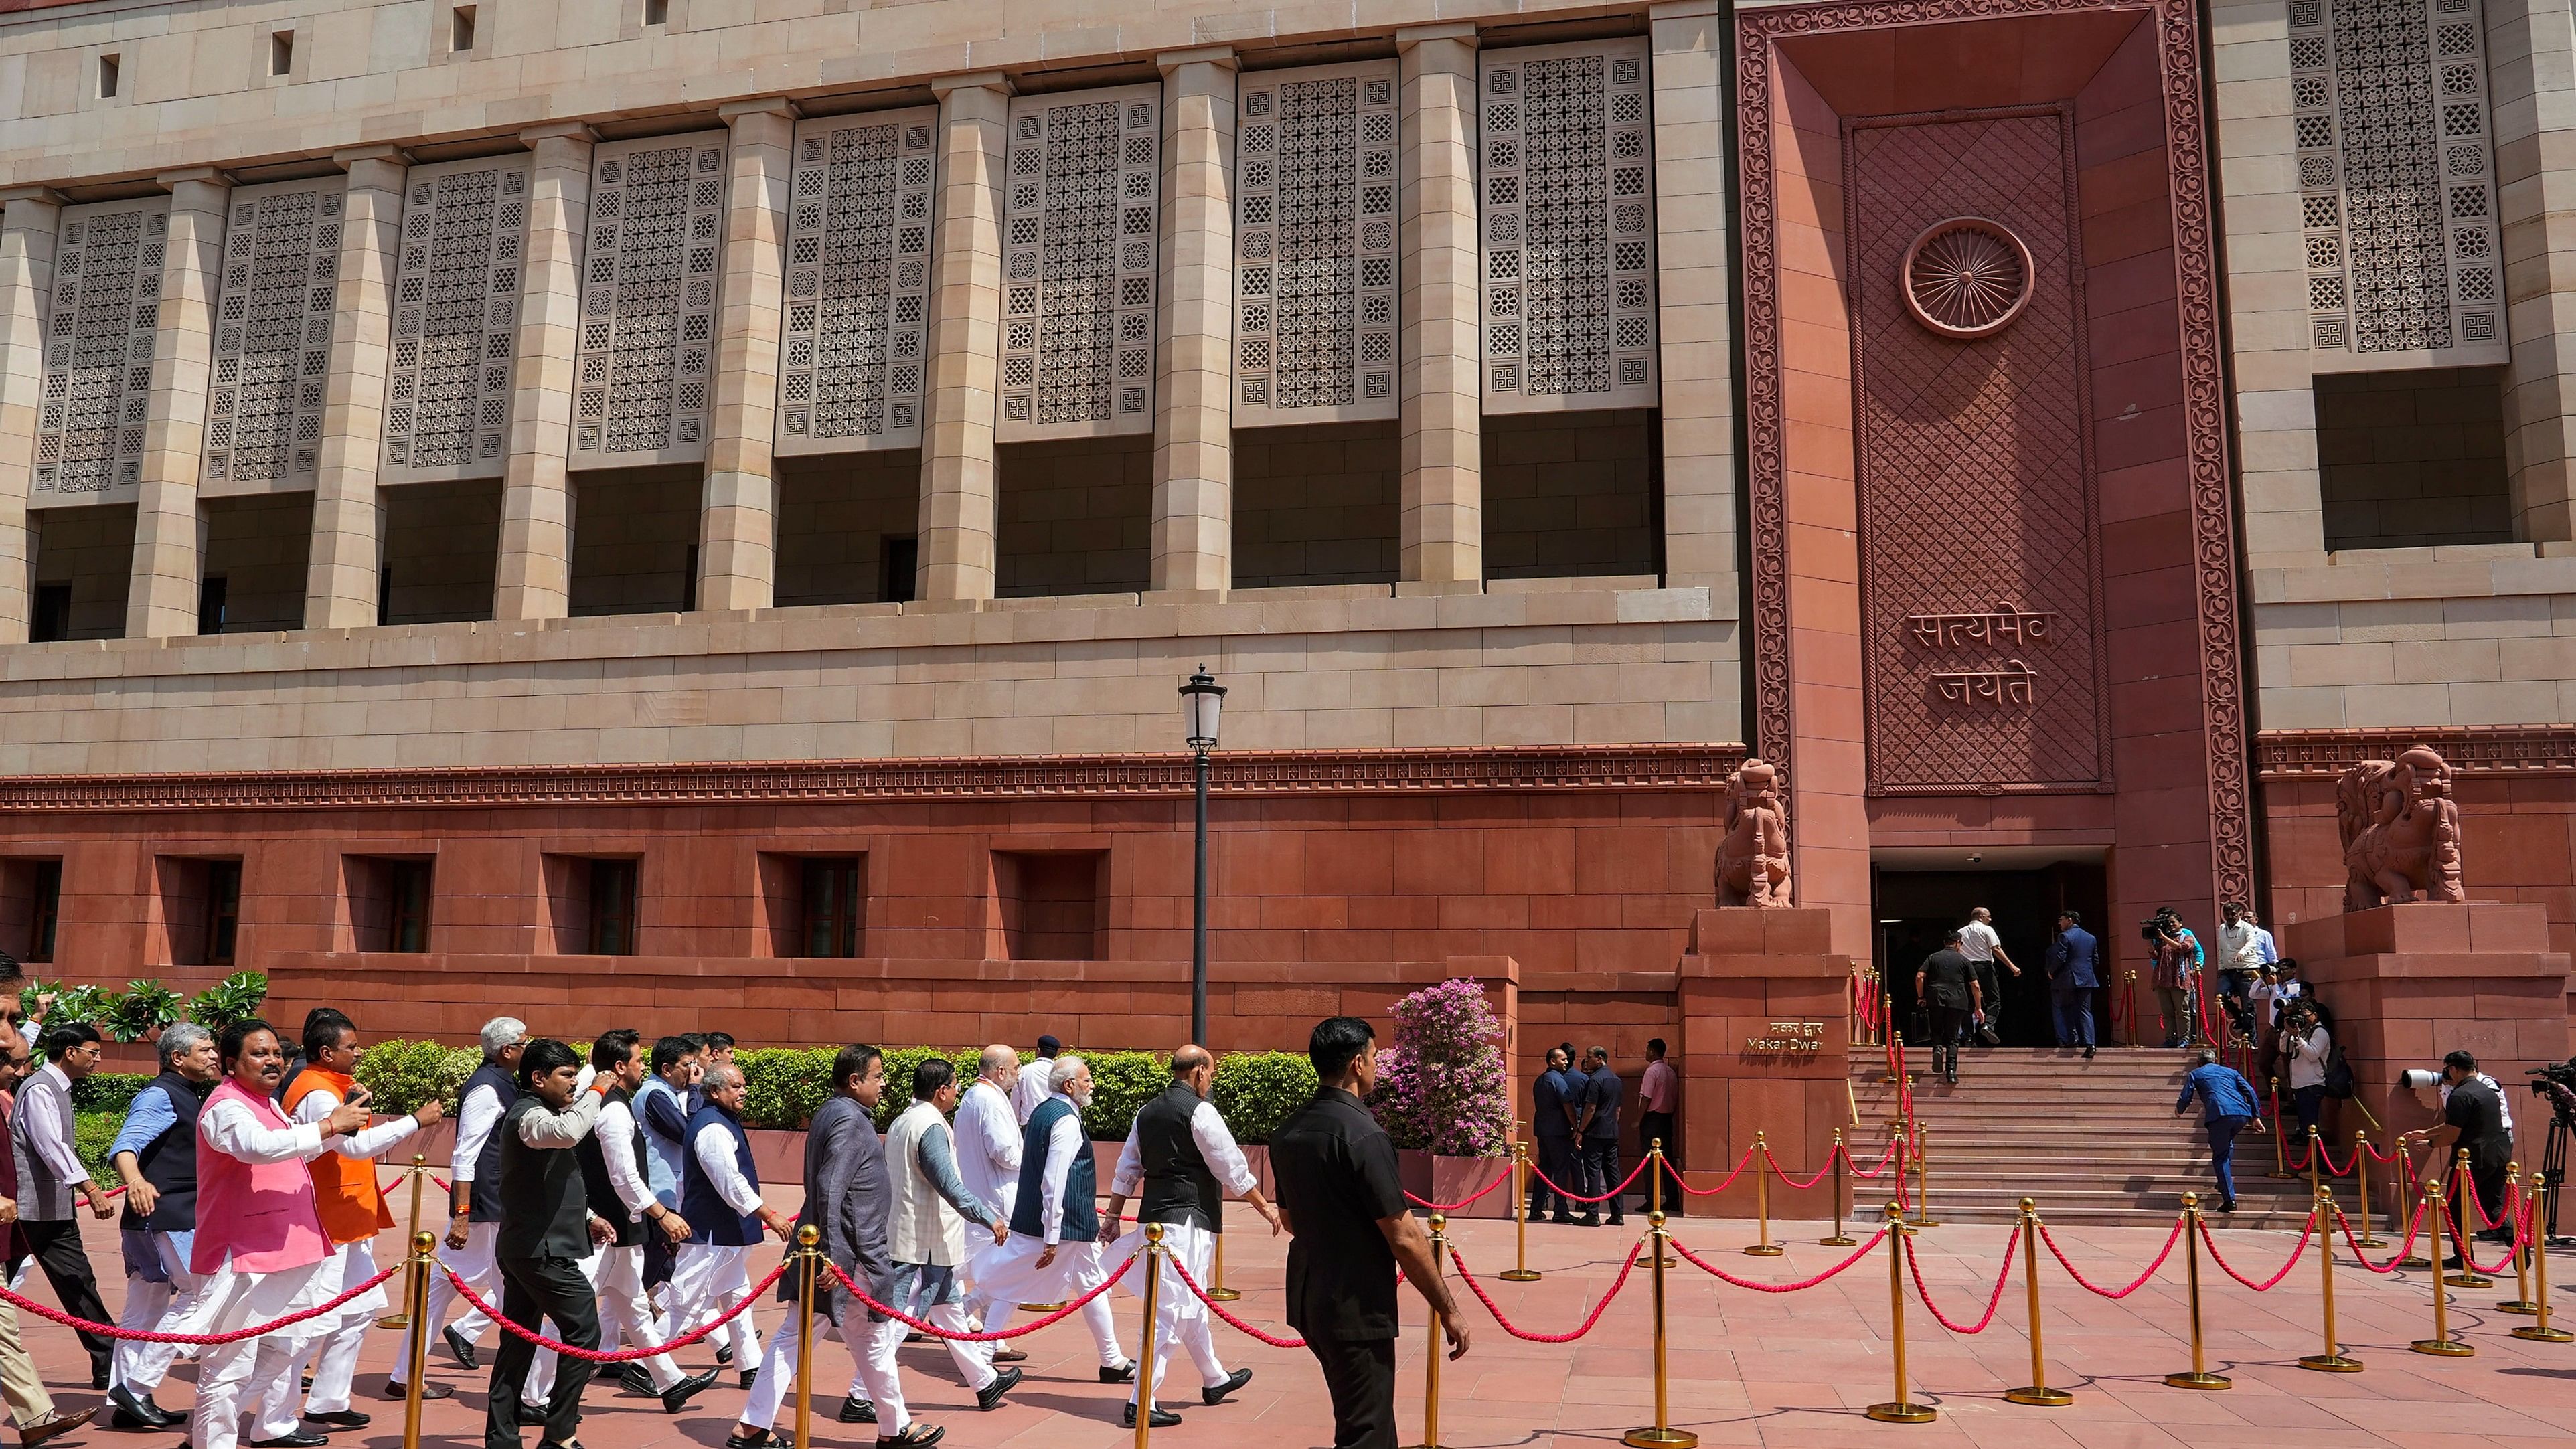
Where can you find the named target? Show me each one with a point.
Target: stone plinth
(1756, 987)
(2409, 984)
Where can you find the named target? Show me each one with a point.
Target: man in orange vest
(353, 1212)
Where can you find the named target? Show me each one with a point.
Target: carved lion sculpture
(2401, 831)
(1753, 858)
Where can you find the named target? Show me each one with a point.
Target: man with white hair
(1054, 1250)
(720, 1198)
(156, 1155)
(474, 1218)
(988, 1158)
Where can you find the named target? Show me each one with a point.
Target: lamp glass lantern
(1202, 701)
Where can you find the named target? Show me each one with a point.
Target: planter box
(1434, 1178)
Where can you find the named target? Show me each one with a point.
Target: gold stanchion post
(806, 1254)
(1923, 1179)
(2520, 1303)
(2200, 1377)
(2316, 1163)
(2461, 1228)
(2540, 1330)
(2441, 1343)
(2280, 1139)
(1901, 1409)
(416, 1302)
(1430, 1360)
(2137, 1029)
(2361, 1185)
(1655, 1204)
(401, 1318)
(1761, 1199)
(1219, 1293)
(1660, 1435)
(2333, 1360)
(1146, 1355)
(1520, 1271)
(1840, 1239)
(2037, 1393)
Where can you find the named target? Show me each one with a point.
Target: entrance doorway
(1914, 909)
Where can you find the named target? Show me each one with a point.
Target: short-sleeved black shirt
(2478, 1112)
(1337, 1178)
(1946, 974)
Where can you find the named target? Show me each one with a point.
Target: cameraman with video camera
(2473, 1117)
(2178, 959)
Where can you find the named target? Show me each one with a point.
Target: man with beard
(156, 1153)
(720, 1197)
(1054, 1250)
(20, 1385)
(988, 1161)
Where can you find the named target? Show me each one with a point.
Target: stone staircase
(2093, 1143)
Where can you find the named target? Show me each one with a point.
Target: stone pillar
(1754, 985)
(161, 602)
(534, 580)
(1441, 407)
(957, 467)
(2531, 51)
(340, 569)
(738, 519)
(1695, 297)
(28, 233)
(1194, 394)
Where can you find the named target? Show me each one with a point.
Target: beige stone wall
(2413, 459)
(1316, 505)
(834, 513)
(2479, 634)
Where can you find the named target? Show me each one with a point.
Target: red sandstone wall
(2518, 844)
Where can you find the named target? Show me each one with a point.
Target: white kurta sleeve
(1062, 1143)
(321, 1102)
(617, 1149)
(1216, 1143)
(51, 1137)
(229, 1128)
(715, 1154)
(1131, 1168)
(480, 1113)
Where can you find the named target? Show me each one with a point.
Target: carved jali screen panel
(851, 353)
(2397, 195)
(1079, 263)
(273, 336)
(1569, 227)
(1314, 241)
(1979, 592)
(644, 374)
(455, 319)
(98, 352)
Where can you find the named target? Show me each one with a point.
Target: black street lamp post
(1202, 700)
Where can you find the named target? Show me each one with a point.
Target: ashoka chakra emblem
(1966, 277)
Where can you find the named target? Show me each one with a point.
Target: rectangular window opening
(460, 28)
(612, 908)
(833, 897)
(53, 619)
(47, 902)
(31, 896)
(657, 12)
(902, 565)
(223, 910)
(110, 71)
(210, 604)
(281, 53)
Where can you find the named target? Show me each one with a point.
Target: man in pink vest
(260, 1241)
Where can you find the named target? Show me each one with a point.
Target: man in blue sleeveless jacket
(474, 1216)
(1054, 1251)
(720, 1197)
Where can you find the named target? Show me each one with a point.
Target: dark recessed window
(210, 604)
(460, 30)
(408, 881)
(53, 619)
(281, 52)
(832, 907)
(223, 910)
(612, 908)
(110, 71)
(45, 909)
(902, 560)
(657, 12)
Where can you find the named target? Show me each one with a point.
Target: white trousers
(872, 1355)
(481, 1271)
(707, 1279)
(229, 1373)
(1180, 1319)
(333, 1354)
(156, 1308)
(626, 1320)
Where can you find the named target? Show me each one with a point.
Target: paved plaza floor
(1746, 1367)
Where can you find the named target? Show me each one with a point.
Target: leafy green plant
(81, 1006)
(93, 1132)
(899, 1063)
(34, 990)
(107, 1091)
(1257, 1091)
(145, 1007)
(782, 1086)
(1121, 1082)
(402, 1075)
(235, 998)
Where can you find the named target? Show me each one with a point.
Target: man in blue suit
(2072, 980)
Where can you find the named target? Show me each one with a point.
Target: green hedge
(107, 1091)
(1256, 1091)
(93, 1132)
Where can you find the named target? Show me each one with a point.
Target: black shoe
(344, 1419)
(750, 1377)
(724, 1354)
(1617, 1223)
(1126, 1375)
(1951, 1076)
(2496, 1235)
(99, 1376)
(2451, 1264)
(1163, 1419)
(856, 1410)
(918, 1436)
(758, 1439)
(2088, 1054)
(634, 1383)
(300, 1439)
(677, 1396)
(1233, 1381)
(1003, 1382)
(130, 1412)
(1562, 1222)
(1588, 1220)
(2227, 1206)
(397, 1389)
(460, 1346)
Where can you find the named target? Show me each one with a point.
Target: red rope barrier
(622, 1355)
(1993, 1300)
(2413, 1227)
(1880, 1170)
(1627, 1265)
(2135, 1284)
(999, 1335)
(1576, 1196)
(1740, 1164)
(1794, 1184)
(111, 1330)
(1468, 1202)
(1231, 1321)
(2268, 1284)
(1723, 1276)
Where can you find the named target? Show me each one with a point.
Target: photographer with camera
(2307, 1044)
(2178, 959)
(2473, 1117)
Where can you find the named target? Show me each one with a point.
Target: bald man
(988, 1158)
(1184, 1162)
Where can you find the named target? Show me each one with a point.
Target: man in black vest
(156, 1155)
(473, 1218)
(1183, 1158)
(547, 1229)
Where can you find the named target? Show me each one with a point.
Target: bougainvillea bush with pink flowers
(1442, 1087)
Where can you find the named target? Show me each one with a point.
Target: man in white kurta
(988, 1159)
(1054, 1250)
(472, 1229)
(1180, 1163)
(1034, 1082)
(260, 1243)
(720, 1196)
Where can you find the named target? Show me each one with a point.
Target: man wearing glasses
(50, 1175)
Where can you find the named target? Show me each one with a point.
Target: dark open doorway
(1915, 908)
